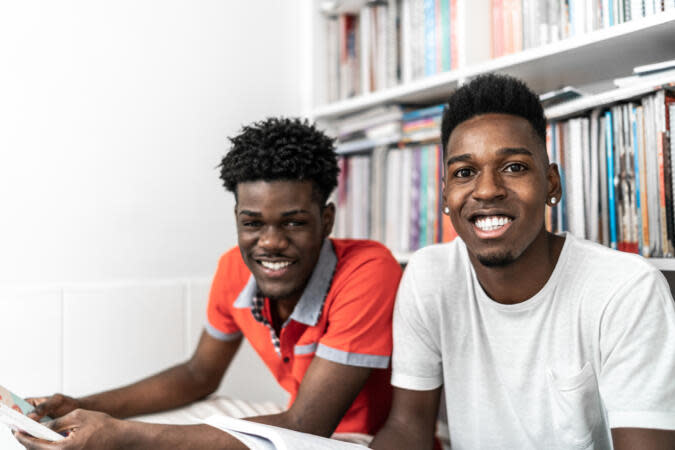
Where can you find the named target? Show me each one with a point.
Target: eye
(516, 167)
(251, 224)
(463, 172)
(295, 223)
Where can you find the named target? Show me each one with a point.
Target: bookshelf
(589, 62)
(595, 58)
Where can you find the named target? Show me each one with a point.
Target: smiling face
(497, 183)
(280, 229)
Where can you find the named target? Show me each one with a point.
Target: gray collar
(308, 309)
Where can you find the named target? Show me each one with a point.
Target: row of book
(522, 24)
(388, 42)
(393, 195)
(617, 166)
(385, 43)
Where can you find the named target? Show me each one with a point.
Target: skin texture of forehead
(495, 118)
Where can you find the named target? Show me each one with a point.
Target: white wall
(113, 118)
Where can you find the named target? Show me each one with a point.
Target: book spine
(444, 25)
(609, 142)
(429, 37)
(636, 165)
(415, 197)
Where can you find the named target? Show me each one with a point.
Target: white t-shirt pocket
(575, 406)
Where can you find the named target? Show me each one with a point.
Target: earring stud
(553, 200)
(446, 210)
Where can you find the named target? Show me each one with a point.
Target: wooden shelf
(579, 61)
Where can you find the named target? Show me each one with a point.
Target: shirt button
(286, 359)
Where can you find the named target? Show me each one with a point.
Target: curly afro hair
(281, 149)
(491, 93)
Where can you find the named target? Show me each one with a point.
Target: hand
(84, 430)
(55, 406)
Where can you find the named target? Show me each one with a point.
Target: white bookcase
(589, 62)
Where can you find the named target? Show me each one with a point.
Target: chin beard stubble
(495, 260)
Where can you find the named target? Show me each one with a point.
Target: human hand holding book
(13, 410)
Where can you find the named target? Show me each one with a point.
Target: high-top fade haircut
(492, 93)
(282, 149)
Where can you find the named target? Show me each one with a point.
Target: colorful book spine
(609, 143)
(429, 37)
(636, 166)
(443, 24)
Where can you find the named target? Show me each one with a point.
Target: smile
(275, 266)
(491, 223)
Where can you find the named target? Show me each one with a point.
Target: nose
(272, 239)
(489, 185)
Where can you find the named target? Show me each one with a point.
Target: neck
(527, 275)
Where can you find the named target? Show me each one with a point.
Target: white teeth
(491, 223)
(275, 265)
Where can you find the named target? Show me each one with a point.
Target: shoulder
(363, 253)
(605, 266)
(438, 261)
(365, 269)
(232, 274)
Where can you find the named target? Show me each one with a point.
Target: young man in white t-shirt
(540, 341)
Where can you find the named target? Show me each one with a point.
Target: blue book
(609, 150)
(429, 111)
(429, 37)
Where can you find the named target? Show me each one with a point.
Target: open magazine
(257, 436)
(13, 410)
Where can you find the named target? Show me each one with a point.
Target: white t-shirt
(594, 349)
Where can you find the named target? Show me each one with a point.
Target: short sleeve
(637, 345)
(220, 324)
(416, 363)
(359, 317)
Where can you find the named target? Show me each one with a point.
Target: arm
(412, 421)
(326, 392)
(643, 439)
(177, 386)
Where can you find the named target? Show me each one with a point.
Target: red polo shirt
(344, 315)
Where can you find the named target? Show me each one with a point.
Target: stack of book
(368, 129)
(522, 24)
(392, 193)
(422, 125)
(617, 165)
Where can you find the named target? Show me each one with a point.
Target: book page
(252, 441)
(282, 438)
(18, 421)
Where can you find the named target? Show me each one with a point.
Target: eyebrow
(502, 151)
(246, 212)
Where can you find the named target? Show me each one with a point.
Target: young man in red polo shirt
(317, 310)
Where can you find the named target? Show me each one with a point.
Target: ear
(554, 190)
(327, 219)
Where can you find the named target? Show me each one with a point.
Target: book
(13, 410)
(609, 143)
(257, 436)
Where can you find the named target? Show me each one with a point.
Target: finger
(32, 443)
(66, 423)
(36, 400)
